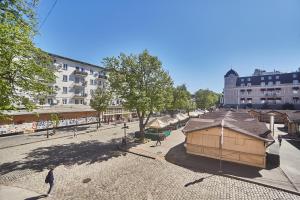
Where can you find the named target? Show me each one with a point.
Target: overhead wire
(48, 14)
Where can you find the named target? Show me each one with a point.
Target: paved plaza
(90, 166)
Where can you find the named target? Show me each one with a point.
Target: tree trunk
(99, 119)
(142, 128)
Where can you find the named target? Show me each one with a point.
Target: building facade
(75, 82)
(262, 89)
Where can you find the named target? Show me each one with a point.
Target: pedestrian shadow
(197, 181)
(85, 152)
(178, 156)
(37, 197)
(295, 143)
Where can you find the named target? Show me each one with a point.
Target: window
(262, 83)
(262, 78)
(270, 77)
(91, 82)
(81, 101)
(91, 92)
(77, 68)
(248, 79)
(50, 101)
(270, 83)
(82, 69)
(76, 101)
(277, 77)
(249, 92)
(65, 90)
(242, 92)
(277, 82)
(65, 78)
(242, 80)
(249, 100)
(99, 82)
(295, 81)
(262, 100)
(294, 75)
(242, 100)
(243, 84)
(91, 71)
(248, 84)
(65, 101)
(65, 67)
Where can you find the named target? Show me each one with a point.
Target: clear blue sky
(198, 41)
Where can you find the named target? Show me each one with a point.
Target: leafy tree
(141, 81)
(54, 121)
(100, 101)
(24, 69)
(206, 99)
(181, 99)
(191, 106)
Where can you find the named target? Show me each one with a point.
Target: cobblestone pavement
(114, 174)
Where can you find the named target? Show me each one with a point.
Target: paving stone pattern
(115, 174)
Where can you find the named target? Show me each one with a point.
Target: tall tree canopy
(24, 69)
(206, 99)
(141, 81)
(100, 101)
(181, 99)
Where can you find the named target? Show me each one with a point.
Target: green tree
(54, 121)
(191, 106)
(141, 81)
(100, 101)
(24, 69)
(181, 99)
(206, 99)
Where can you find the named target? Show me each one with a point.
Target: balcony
(53, 94)
(101, 76)
(79, 84)
(80, 73)
(80, 95)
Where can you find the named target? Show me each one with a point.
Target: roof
(293, 116)
(256, 80)
(231, 71)
(241, 122)
(73, 60)
(52, 109)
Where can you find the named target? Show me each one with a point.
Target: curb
(55, 138)
(225, 175)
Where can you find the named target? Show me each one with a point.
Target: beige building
(230, 136)
(262, 89)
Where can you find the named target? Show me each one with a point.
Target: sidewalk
(173, 150)
(18, 140)
(15, 193)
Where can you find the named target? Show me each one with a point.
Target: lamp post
(124, 140)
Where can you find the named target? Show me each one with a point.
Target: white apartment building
(75, 82)
(262, 89)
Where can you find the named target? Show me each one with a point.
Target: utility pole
(221, 145)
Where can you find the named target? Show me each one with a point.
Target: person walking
(158, 140)
(50, 179)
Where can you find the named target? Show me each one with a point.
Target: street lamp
(124, 140)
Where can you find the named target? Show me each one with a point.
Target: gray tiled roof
(238, 121)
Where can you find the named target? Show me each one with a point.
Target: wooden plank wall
(237, 147)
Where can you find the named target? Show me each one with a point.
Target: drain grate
(86, 180)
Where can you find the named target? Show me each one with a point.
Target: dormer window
(262, 78)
